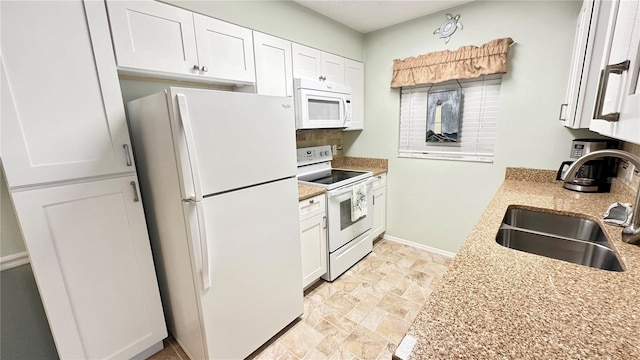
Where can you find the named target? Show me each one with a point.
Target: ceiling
(369, 15)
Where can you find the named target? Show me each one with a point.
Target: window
(478, 121)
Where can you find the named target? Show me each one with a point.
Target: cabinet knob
(311, 201)
(204, 69)
(196, 67)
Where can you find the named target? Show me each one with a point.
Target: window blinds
(478, 122)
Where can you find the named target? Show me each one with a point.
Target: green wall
(437, 202)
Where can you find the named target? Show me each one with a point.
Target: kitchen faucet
(631, 233)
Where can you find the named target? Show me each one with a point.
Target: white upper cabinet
(91, 258)
(332, 68)
(153, 36)
(617, 109)
(225, 51)
(274, 74)
(73, 124)
(588, 51)
(309, 63)
(160, 40)
(354, 77)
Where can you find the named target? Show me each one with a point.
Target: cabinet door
(568, 110)
(354, 77)
(307, 62)
(73, 124)
(153, 36)
(379, 208)
(313, 238)
(91, 258)
(225, 51)
(622, 93)
(332, 68)
(274, 74)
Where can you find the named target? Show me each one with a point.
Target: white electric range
(349, 239)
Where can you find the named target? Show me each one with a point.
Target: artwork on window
(443, 116)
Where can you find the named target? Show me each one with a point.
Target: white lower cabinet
(379, 205)
(313, 238)
(91, 257)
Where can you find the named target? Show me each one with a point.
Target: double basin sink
(563, 237)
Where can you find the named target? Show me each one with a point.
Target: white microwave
(321, 105)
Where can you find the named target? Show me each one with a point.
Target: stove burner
(336, 176)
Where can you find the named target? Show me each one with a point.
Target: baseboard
(11, 261)
(419, 246)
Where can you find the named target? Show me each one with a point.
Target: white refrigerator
(217, 172)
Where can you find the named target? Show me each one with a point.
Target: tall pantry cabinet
(69, 168)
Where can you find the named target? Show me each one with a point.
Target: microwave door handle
(344, 104)
(191, 148)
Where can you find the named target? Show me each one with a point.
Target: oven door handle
(347, 189)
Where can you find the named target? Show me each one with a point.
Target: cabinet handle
(561, 108)
(135, 191)
(324, 222)
(204, 69)
(126, 152)
(602, 90)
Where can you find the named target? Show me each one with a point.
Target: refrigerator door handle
(191, 147)
(204, 248)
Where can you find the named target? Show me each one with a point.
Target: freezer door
(230, 140)
(256, 271)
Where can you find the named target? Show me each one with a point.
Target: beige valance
(465, 63)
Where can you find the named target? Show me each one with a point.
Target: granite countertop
(376, 166)
(500, 303)
(308, 191)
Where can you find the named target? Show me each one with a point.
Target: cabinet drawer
(379, 181)
(312, 207)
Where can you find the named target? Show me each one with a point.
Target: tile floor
(362, 315)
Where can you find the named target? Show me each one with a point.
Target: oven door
(341, 229)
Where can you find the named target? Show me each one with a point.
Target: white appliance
(218, 183)
(321, 105)
(349, 240)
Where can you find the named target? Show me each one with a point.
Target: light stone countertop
(499, 303)
(308, 191)
(376, 166)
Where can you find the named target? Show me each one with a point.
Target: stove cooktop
(334, 178)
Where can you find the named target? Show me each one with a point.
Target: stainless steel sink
(561, 237)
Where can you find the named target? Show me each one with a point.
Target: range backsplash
(623, 170)
(307, 138)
